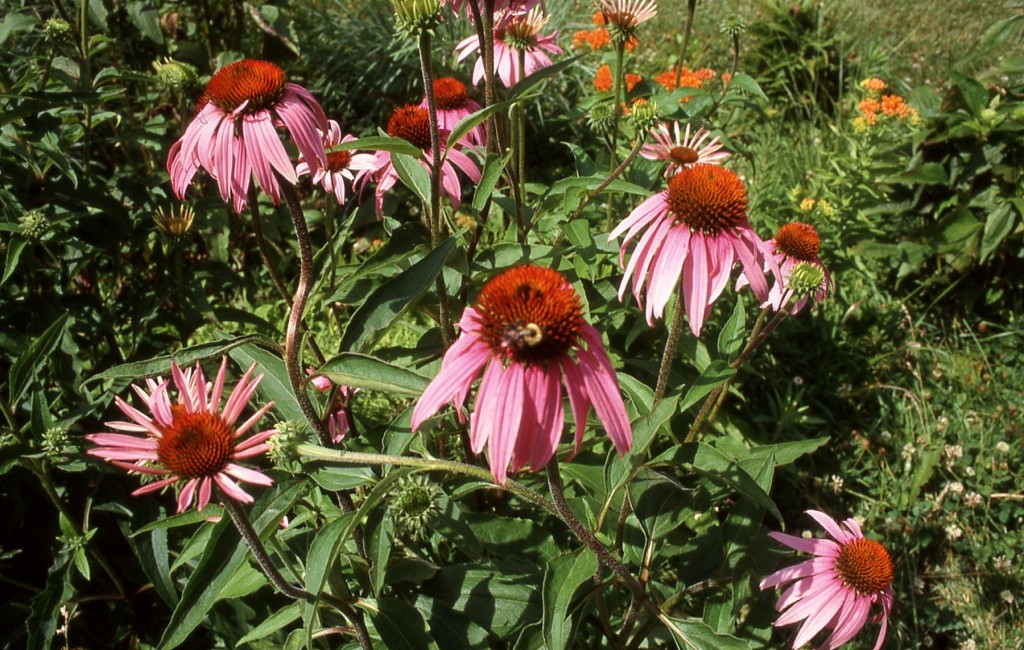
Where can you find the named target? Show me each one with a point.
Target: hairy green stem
(671, 343)
(293, 335)
(314, 452)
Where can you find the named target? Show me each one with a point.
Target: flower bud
(415, 17)
(176, 75)
(33, 224)
(644, 116)
(414, 503)
(175, 222)
(805, 279)
(284, 444)
(57, 30)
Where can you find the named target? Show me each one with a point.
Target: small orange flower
(894, 106)
(873, 85)
(603, 81)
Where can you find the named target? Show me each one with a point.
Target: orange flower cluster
(874, 85)
(889, 106)
(603, 81)
(688, 78)
(598, 38)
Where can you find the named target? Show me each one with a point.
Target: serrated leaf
(393, 298)
(691, 634)
(370, 373)
(712, 463)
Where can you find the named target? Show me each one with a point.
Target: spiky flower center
(450, 94)
(411, 123)
(798, 240)
(338, 160)
(197, 444)
(260, 83)
(684, 155)
(864, 564)
(707, 197)
(531, 314)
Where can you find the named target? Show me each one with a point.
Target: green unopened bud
(57, 30)
(55, 441)
(733, 26)
(175, 74)
(414, 503)
(644, 116)
(601, 117)
(284, 445)
(175, 222)
(415, 17)
(33, 224)
(991, 117)
(805, 279)
(1018, 114)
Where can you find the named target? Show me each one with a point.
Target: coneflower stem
(671, 343)
(434, 218)
(252, 539)
(293, 334)
(486, 21)
(691, 8)
(275, 277)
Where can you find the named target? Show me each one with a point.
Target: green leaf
(14, 250)
(393, 298)
(14, 23)
(343, 477)
(493, 166)
(787, 452)
(36, 356)
(925, 174)
(380, 143)
(188, 518)
(692, 634)
(747, 83)
(326, 547)
(162, 365)
(275, 385)
(222, 557)
(730, 339)
(716, 373)
(712, 463)
(379, 549)
(370, 373)
(413, 175)
(470, 122)
(564, 576)
(529, 83)
(273, 623)
(998, 227)
(400, 625)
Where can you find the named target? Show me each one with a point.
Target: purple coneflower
(795, 243)
(340, 164)
(190, 441)
(835, 589)
(682, 149)
(412, 123)
(528, 336)
(696, 230)
(235, 136)
(514, 32)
